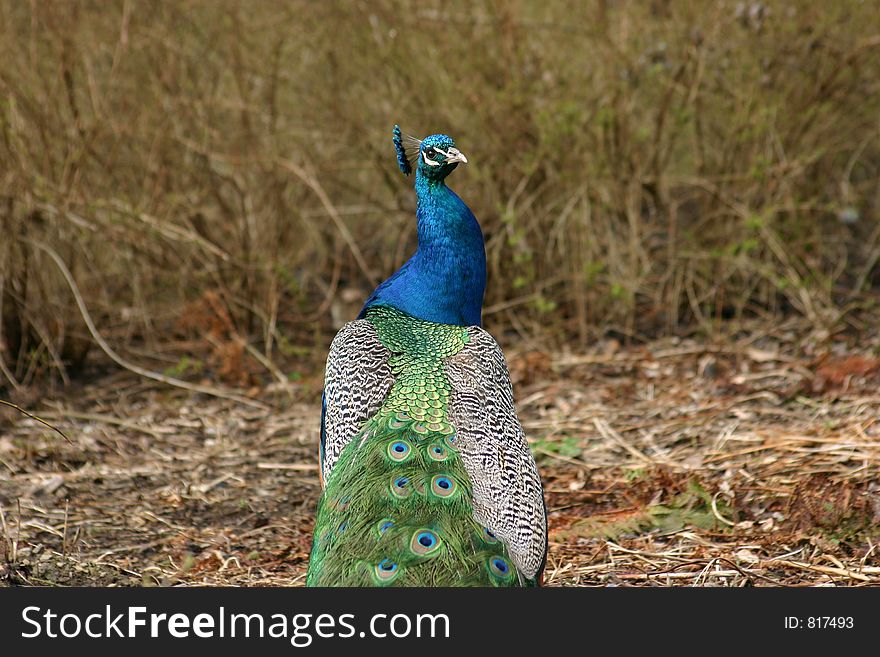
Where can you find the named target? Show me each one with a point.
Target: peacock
(428, 478)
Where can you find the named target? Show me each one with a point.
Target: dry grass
(753, 462)
(638, 167)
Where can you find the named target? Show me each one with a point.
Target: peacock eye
(430, 151)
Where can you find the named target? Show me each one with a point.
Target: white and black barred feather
(356, 381)
(508, 495)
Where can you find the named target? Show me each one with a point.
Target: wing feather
(508, 495)
(356, 381)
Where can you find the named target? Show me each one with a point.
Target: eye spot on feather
(386, 571)
(499, 568)
(488, 536)
(425, 543)
(399, 451)
(400, 487)
(443, 486)
(437, 452)
(384, 525)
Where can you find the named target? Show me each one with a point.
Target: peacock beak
(455, 155)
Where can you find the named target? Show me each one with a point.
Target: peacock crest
(407, 148)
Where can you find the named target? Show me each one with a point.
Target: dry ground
(674, 463)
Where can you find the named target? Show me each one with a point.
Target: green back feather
(397, 508)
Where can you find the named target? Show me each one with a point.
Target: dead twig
(40, 420)
(122, 362)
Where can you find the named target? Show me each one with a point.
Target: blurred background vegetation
(214, 183)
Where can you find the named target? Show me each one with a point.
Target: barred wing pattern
(357, 380)
(508, 495)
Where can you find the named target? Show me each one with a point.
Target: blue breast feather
(445, 279)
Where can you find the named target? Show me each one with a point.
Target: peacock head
(434, 157)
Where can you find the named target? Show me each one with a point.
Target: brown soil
(674, 463)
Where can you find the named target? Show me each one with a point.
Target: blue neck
(445, 279)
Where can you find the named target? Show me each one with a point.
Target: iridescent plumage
(429, 479)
